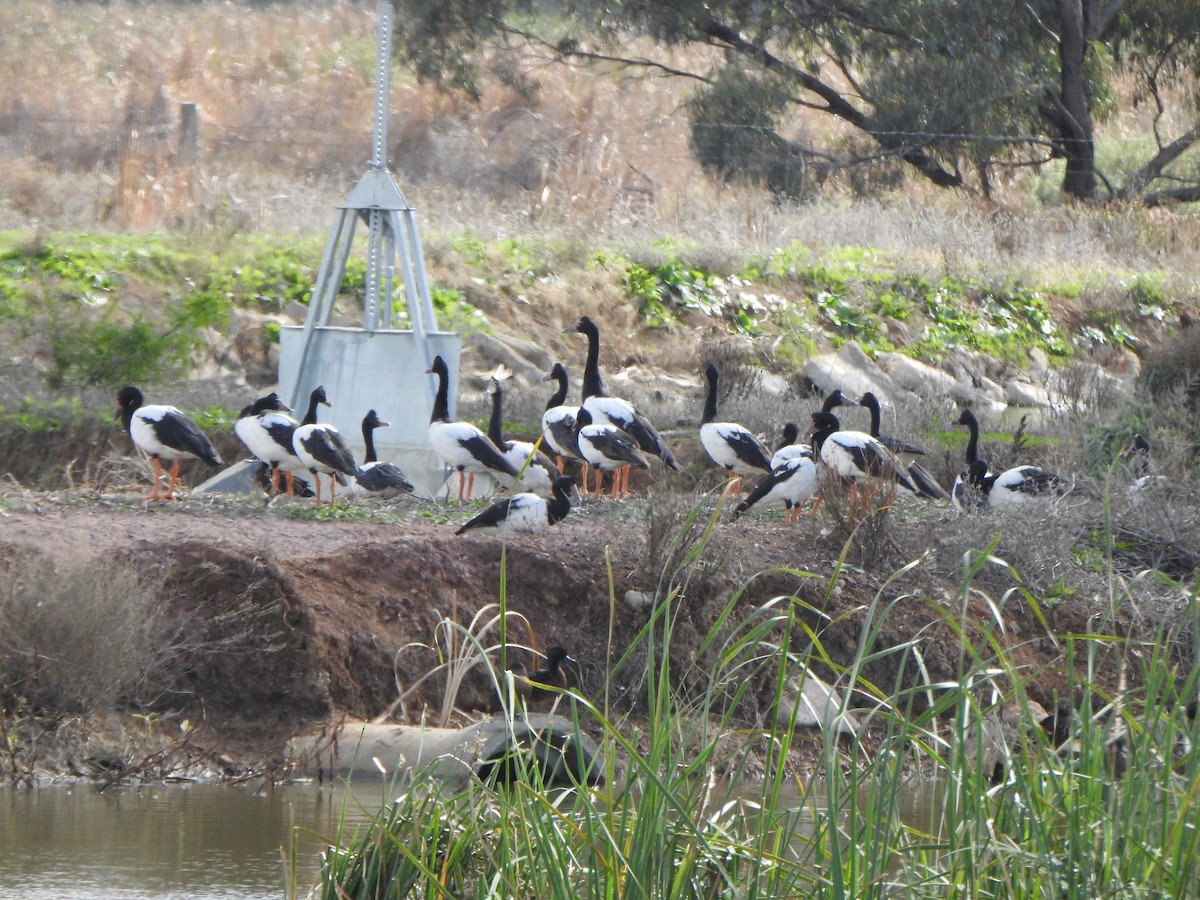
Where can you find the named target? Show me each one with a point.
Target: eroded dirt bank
(295, 623)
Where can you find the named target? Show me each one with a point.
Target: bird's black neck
(710, 401)
(127, 416)
(592, 385)
(310, 417)
(826, 425)
(494, 431)
(978, 475)
(560, 394)
(441, 400)
(872, 406)
(369, 443)
(560, 504)
(973, 441)
(790, 432)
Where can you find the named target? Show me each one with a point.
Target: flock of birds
(603, 433)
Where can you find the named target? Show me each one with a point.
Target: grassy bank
(1096, 798)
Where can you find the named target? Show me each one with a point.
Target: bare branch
(1154, 168)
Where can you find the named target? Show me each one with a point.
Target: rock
(296, 311)
(452, 755)
(1039, 362)
(816, 705)
(979, 393)
(639, 600)
(1023, 393)
(913, 375)
(528, 350)
(498, 353)
(851, 370)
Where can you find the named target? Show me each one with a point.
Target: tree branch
(1167, 198)
(1154, 168)
(835, 103)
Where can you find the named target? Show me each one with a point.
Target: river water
(201, 841)
(193, 841)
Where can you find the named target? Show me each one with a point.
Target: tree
(954, 91)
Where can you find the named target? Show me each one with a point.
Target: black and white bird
(790, 485)
(927, 486)
(787, 448)
(266, 428)
(1014, 488)
(460, 445)
(525, 512)
(558, 421)
(537, 470)
(380, 479)
(607, 449)
(730, 445)
(1011, 489)
(163, 433)
(321, 448)
(896, 445)
(1143, 482)
(619, 413)
(857, 457)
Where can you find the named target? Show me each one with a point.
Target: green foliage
(1113, 812)
(74, 290)
(453, 311)
(664, 293)
(112, 354)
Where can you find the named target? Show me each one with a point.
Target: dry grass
(89, 140)
(76, 638)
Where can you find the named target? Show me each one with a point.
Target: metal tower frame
(392, 235)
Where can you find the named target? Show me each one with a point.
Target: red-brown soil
(325, 611)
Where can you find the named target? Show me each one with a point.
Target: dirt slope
(314, 620)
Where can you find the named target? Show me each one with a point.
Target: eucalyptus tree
(951, 91)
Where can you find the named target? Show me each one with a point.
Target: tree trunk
(1072, 116)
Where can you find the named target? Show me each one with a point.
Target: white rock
(851, 370)
(638, 600)
(1023, 393)
(815, 704)
(913, 375)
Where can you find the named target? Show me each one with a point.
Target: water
(193, 841)
(201, 841)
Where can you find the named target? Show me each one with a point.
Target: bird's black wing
(384, 477)
(480, 447)
(180, 433)
(492, 517)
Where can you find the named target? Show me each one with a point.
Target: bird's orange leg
(274, 479)
(598, 481)
(174, 478)
(156, 467)
(561, 463)
(291, 484)
(317, 487)
(332, 488)
(470, 485)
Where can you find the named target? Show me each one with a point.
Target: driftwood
(455, 756)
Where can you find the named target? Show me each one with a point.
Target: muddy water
(201, 841)
(194, 841)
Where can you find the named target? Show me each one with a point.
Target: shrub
(78, 637)
(1173, 367)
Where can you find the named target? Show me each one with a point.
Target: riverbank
(278, 624)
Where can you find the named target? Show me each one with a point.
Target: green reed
(676, 813)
